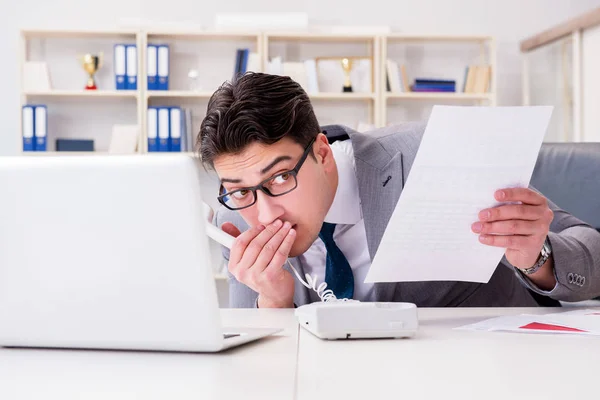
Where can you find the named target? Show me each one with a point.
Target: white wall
(508, 20)
(591, 84)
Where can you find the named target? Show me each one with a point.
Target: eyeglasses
(275, 186)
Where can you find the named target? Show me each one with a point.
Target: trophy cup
(91, 64)
(347, 67)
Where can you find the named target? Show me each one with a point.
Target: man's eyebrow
(263, 171)
(274, 162)
(230, 180)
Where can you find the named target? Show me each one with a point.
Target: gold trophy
(91, 64)
(347, 67)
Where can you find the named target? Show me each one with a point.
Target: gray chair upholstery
(569, 175)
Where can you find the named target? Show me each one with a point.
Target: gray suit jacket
(388, 154)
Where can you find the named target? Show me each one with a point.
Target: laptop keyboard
(230, 335)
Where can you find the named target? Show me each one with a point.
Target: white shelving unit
(487, 55)
(213, 53)
(185, 43)
(65, 92)
(367, 46)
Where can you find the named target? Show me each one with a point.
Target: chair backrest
(569, 175)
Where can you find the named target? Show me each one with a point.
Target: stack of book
(245, 61)
(125, 66)
(396, 77)
(433, 85)
(170, 129)
(477, 79)
(35, 127)
(158, 64)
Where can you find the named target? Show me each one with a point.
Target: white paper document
(579, 322)
(466, 154)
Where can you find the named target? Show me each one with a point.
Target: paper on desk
(580, 322)
(466, 154)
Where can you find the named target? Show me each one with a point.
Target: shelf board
(77, 33)
(178, 94)
(439, 96)
(203, 35)
(320, 37)
(395, 37)
(85, 93)
(342, 96)
(63, 153)
(101, 153)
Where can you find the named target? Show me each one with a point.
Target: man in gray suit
(288, 193)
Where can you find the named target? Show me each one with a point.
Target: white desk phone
(334, 318)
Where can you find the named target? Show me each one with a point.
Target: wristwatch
(544, 255)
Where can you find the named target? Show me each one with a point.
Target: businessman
(287, 192)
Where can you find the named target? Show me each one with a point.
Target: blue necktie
(338, 273)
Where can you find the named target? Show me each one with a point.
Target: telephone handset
(219, 235)
(311, 281)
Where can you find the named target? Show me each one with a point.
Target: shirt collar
(345, 208)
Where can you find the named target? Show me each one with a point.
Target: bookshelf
(324, 46)
(213, 54)
(187, 50)
(82, 93)
(71, 108)
(472, 50)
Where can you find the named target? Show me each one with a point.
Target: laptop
(108, 252)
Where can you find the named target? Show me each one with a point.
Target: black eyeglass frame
(294, 172)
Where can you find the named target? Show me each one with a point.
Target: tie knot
(326, 233)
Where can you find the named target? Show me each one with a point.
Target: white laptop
(108, 252)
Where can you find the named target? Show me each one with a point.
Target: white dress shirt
(349, 234)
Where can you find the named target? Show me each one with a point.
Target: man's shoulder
(398, 135)
(386, 142)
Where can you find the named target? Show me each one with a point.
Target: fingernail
(292, 232)
(484, 215)
(501, 194)
(477, 227)
(287, 225)
(483, 238)
(277, 223)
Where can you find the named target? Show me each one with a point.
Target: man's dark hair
(259, 108)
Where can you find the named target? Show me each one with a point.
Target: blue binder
(175, 129)
(74, 145)
(152, 67)
(245, 55)
(163, 67)
(28, 128)
(131, 61)
(152, 129)
(163, 128)
(120, 66)
(41, 127)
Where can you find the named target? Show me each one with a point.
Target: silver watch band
(544, 255)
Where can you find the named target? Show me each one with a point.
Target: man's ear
(323, 151)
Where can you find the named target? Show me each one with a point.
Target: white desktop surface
(443, 363)
(261, 370)
(439, 362)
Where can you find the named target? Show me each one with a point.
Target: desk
(260, 370)
(440, 363)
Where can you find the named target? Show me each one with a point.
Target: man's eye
(280, 179)
(240, 194)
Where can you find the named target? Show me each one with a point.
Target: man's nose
(269, 208)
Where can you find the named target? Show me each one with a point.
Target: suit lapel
(380, 182)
